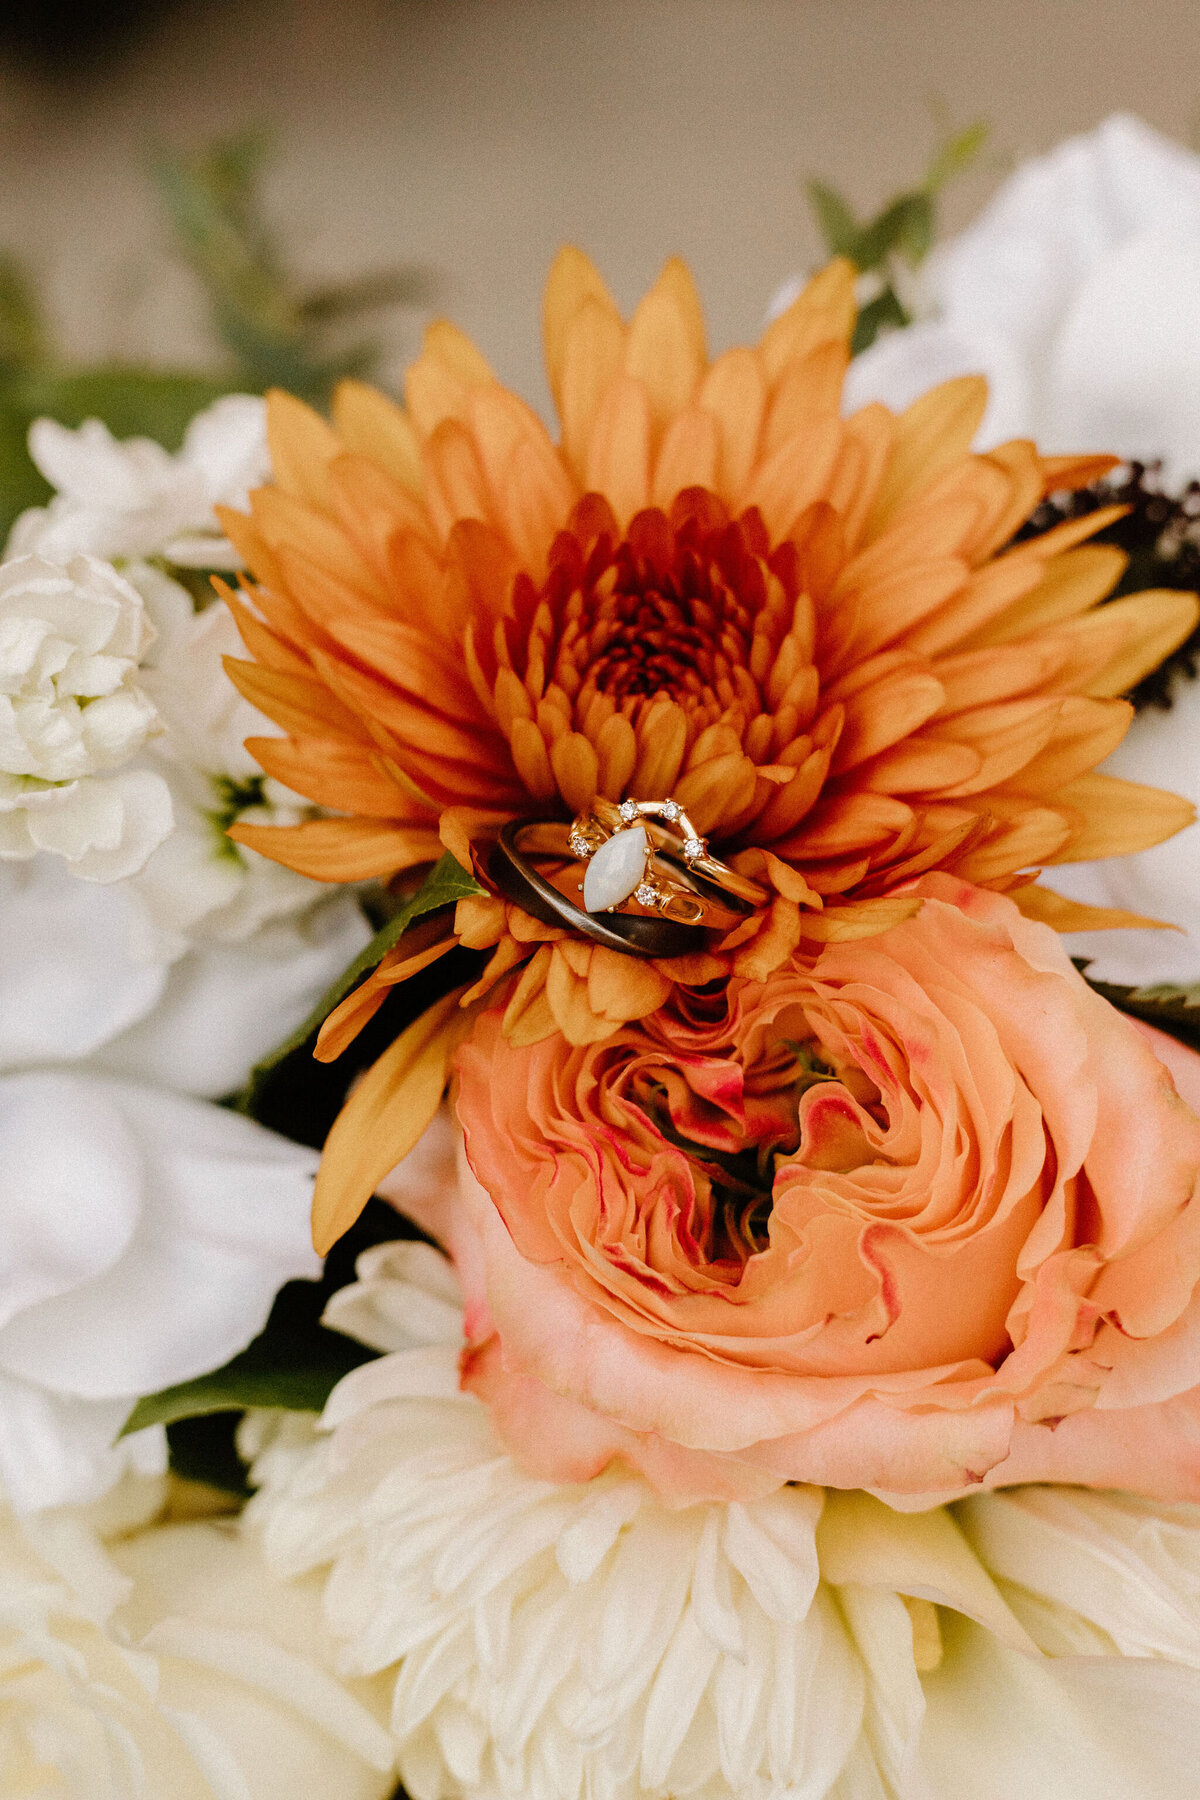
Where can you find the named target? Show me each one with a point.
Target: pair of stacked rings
(644, 851)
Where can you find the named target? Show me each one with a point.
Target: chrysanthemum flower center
(672, 609)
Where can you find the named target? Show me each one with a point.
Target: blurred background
(463, 140)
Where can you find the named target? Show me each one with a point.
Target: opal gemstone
(615, 869)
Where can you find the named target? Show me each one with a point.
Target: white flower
(169, 1668)
(1108, 1586)
(200, 886)
(71, 712)
(1077, 293)
(554, 1642)
(143, 1237)
(81, 977)
(134, 499)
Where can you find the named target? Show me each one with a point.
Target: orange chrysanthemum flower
(812, 631)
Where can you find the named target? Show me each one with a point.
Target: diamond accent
(629, 811)
(581, 845)
(671, 810)
(693, 849)
(645, 895)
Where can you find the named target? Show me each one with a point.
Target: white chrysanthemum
(134, 499)
(554, 1642)
(72, 711)
(170, 1667)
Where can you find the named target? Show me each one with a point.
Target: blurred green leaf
(1175, 1010)
(203, 1447)
(22, 328)
(881, 314)
(277, 334)
(297, 1370)
(367, 294)
(905, 228)
(906, 225)
(908, 221)
(837, 223)
(956, 155)
(133, 402)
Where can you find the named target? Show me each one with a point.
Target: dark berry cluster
(1161, 536)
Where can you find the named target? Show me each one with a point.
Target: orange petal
(439, 383)
(375, 427)
(340, 849)
(810, 389)
(735, 393)
(824, 311)
(592, 352)
(302, 447)
(688, 457)
(1055, 910)
(1085, 733)
(336, 773)
(664, 346)
(573, 282)
(618, 457)
(385, 1116)
(1122, 816)
(930, 435)
(623, 987)
(1158, 621)
(1070, 584)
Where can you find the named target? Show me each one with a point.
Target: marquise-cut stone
(615, 869)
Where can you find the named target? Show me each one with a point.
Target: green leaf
(260, 1376)
(446, 884)
(881, 314)
(408, 285)
(1175, 1010)
(956, 154)
(906, 220)
(278, 335)
(20, 483)
(837, 223)
(204, 1448)
(22, 327)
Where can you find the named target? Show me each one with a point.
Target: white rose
(71, 711)
(1077, 293)
(134, 499)
(143, 1237)
(170, 1668)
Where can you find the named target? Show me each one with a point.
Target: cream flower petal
(999, 1724)
(551, 1641)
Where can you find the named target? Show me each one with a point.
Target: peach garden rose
(917, 1216)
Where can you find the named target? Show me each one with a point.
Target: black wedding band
(633, 934)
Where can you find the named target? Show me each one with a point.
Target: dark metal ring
(633, 934)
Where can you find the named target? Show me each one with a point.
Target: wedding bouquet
(694, 916)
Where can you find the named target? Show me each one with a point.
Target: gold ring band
(676, 840)
(506, 866)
